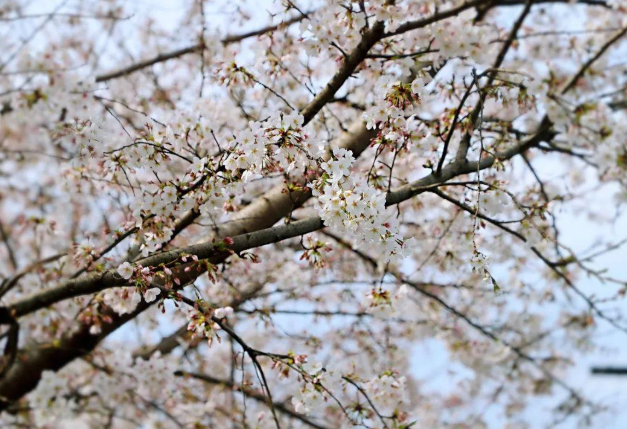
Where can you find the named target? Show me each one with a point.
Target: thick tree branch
(25, 373)
(251, 227)
(214, 250)
(351, 62)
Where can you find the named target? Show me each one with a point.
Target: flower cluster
(394, 101)
(50, 400)
(383, 303)
(124, 300)
(455, 38)
(312, 396)
(348, 204)
(388, 389)
(118, 299)
(277, 143)
(318, 35)
(99, 170)
(201, 324)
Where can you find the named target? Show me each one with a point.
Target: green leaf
(495, 285)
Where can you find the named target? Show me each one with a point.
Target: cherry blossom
(291, 213)
(126, 270)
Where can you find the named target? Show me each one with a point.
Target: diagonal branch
(216, 251)
(280, 406)
(25, 373)
(199, 47)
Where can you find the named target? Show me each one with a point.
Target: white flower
(312, 47)
(135, 299)
(418, 86)
(151, 294)
(299, 407)
(152, 203)
(386, 390)
(392, 136)
(310, 400)
(494, 202)
(479, 262)
(340, 167)
(198, 164)
(223, 312)
(169, 194)
(125, 270)
(322, 149)
(186, 204)
(294, 120)
(533, 236)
